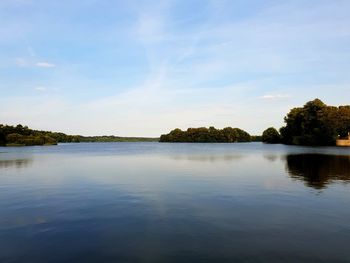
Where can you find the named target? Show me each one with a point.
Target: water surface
(160, 202)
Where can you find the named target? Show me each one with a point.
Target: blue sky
(142, 68)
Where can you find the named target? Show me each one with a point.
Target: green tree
(343, 121)
(271, 135)
(203, 134)
(315, 124)
(14, 138)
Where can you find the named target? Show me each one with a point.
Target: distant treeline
(207, 135)
(113, 138)
(313, 124)
(23, 136)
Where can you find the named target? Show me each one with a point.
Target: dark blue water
(153, 202)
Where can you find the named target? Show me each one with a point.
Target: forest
(204, 134)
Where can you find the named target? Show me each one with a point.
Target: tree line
(313, 124)
(204, 134)
(23, 136)
(112, 138)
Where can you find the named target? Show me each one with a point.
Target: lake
(163, 202)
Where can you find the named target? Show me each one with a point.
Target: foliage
(316, 124)
(271, 135)
(28, 140)
(203, 134)
(22, 135)
(256, 138)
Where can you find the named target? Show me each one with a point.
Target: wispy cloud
(44, 64)
(155, 66)
(31, 51)
(21, 62)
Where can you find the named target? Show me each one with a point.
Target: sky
(143, 68)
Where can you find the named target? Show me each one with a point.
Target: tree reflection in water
(318, 170)
(18, 163)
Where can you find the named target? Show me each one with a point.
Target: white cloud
(275, 96)
(44, 64)
(40, 88)
(27, 62)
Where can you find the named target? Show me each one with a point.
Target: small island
(202, 134)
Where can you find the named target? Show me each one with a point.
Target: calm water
(152, 202)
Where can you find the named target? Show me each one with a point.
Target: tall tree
(315, 124)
